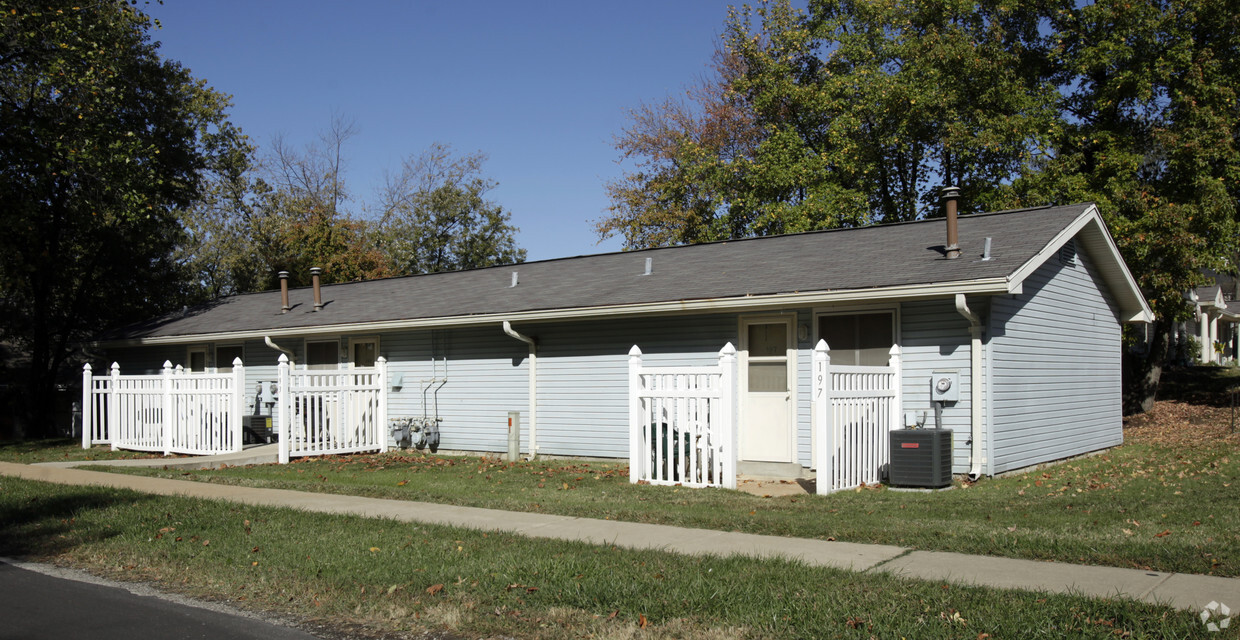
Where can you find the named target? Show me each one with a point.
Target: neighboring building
(1213, 325)
(1045, 289)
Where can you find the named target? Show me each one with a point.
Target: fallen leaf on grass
(435, 588)
(641, 621)
(1166, 532)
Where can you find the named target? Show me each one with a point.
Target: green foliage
(856, 112)
(851, 115)
(101, 141)
(436, 217)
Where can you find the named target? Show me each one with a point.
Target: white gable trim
(1101, 247)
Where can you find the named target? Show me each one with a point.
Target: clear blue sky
(540, 87)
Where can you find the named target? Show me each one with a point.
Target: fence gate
(681, 423)
(328, 412)
(855, 408)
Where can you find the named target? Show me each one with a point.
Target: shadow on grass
(1204, 385)
(33, 525)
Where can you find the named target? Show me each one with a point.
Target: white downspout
(975, 384)
(533, 385)
(277, 347)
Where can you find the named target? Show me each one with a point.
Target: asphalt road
(38, 601)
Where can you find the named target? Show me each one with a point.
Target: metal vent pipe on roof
(284, 292)
(649, 266)
(949, 196)
(318, 293)
(514, 280)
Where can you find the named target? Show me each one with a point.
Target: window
(197, 358)
(768, 357)
(225, 355)
(322, 355)
(858, 338)
(363, 351)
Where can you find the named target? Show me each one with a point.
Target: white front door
(767, 378)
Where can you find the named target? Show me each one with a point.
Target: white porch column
(1203, 334)
(728, 396)
(637, 461)
(283, 407)
(821, 415)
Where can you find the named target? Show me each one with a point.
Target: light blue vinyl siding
(583, 374)
(1057, 370)
(935, 337)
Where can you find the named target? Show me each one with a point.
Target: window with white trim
(323, 355)
(363, 352)
(858, 338)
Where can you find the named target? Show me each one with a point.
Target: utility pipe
(975, 386)
(277, 347)
(533, 374)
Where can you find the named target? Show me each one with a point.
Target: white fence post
(381, 421)
(87, 418)
(283, 408)
(822, 415)
(897, 402)
(637, 461)
(114, 409)
(727, 399)
(238, 403)
(166, 420)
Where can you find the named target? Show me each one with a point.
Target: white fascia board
(1105, 252)
(986, 286)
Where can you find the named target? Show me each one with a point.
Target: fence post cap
(237, 362)
(283, 359)
(167, 364)
(86, 367)
(116, 366)
(895, 350)
(379, 359)
(822, 345)
(635, 351)
(728, 350)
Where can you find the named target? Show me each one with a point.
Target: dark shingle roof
(845, 259)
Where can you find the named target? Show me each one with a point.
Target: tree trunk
(1142, 373)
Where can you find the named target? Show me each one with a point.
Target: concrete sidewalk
(1183, 591)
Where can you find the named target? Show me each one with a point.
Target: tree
(853, 114)
(1149, 131)
(101, 141)
(285, 213)
(436, 216)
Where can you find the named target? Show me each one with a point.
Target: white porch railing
(854, 408)
(682, 429)
(330, 412)
(172, 412)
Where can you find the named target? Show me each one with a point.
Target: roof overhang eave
(986, 286)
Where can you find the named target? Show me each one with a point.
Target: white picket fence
(95, 408)
(854, 408)
(681, 423)
(170, 412)
(331, 412)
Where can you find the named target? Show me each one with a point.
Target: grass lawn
(377, 576)
(1165, 500)
(62, 450)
